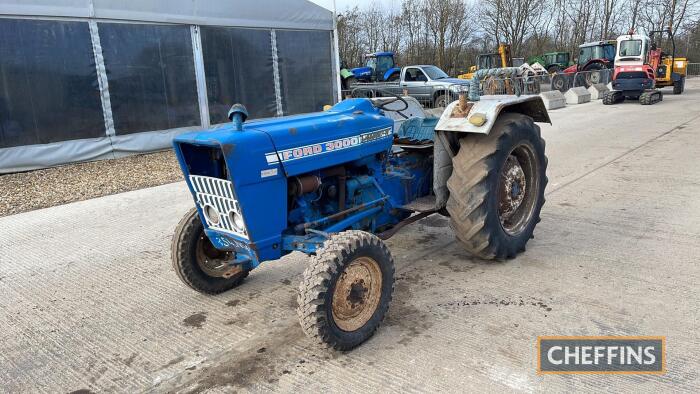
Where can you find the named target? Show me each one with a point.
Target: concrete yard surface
(90, 301)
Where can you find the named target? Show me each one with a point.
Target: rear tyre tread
(476, 167)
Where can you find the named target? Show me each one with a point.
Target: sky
(343, 4)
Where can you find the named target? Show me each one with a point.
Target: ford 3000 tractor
(335, 184)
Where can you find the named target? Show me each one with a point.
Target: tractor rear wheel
(198, 263)
(497, 187)
(560, 82)
(346, 290)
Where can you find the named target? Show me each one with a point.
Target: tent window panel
(48, 83)
(305, 70)
(238, 68)
(152, 83)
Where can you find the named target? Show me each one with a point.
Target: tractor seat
(416, 133)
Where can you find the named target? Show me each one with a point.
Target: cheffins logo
(602, 355)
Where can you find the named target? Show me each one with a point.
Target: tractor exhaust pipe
(237, 115)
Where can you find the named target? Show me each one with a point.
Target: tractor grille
(217, 194)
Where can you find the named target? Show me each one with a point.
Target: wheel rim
(558, 83)
(518, 188)
(213, 261)
(357, 293)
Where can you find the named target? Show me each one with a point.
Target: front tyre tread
(318, 283)
(184, 259)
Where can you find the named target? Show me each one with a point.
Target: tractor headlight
(211, 214)
(236, 220)
(220, 208)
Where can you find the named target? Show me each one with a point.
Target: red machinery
(641, 67)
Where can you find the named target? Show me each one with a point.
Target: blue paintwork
(260, 158)
(368, 73)
(390, 72)
(362, 73)
(634, 86)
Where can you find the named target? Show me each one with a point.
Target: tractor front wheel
(349, 83)
(346, 290)
(198, 263)
(497, 187)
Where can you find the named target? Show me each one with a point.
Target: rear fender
(453, 122)
(489, 107)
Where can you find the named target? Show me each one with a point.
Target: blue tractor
(379, 67)
(334, 185)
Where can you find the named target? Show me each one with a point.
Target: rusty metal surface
(357, 293)
(391, 232)
(212, 261)
(518, 189)
(512, 188)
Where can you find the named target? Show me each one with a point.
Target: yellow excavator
(501, 59)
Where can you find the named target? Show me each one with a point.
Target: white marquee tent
(91, 79)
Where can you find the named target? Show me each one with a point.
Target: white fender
(482, 114)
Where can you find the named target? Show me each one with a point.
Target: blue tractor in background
(379, 67)
(335, 184)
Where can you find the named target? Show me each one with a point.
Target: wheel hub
(356, 294)
(214, 262)
(518, 189)
(513, 187)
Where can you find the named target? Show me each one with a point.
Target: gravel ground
(32, 190)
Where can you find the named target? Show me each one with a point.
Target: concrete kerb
(553, 99)
(597, 90)
(577, 95)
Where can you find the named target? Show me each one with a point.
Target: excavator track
(613, 97)
(650, 97)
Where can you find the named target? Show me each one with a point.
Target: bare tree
(450, 33)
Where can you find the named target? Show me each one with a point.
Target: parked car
(426, 83)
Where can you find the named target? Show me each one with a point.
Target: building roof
(282, 14)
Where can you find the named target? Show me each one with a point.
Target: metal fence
(693, 70)
(431, 96)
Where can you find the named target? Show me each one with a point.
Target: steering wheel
(382, 104)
